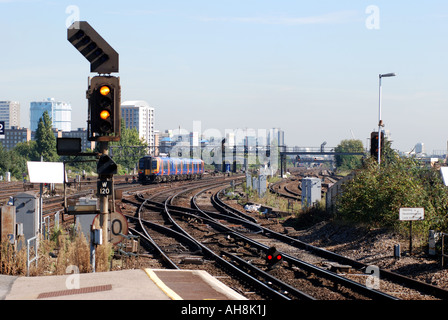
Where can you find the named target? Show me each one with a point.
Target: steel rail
(286, 288)
(170, 264)
(383, 274)
(162, 254)
(358, 287)
(262, 287)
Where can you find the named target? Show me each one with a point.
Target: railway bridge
(309, 156)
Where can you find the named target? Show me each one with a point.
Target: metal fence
(444, 255)
(29, 260)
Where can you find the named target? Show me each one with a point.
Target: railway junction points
(241, 239)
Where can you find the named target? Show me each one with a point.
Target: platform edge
(167, 290)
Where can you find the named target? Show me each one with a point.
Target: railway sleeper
(192, 260)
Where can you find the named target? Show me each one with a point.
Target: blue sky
(308, 67)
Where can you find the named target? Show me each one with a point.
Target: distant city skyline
(310, 68)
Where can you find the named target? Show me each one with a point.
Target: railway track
(252, 239)
(410, 288)
(292, 187)
(236, 239)
(180, 250)
(224, 239)
(188, 225)
(54, 204)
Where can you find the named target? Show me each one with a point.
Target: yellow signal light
(105, 115)
(104, 90)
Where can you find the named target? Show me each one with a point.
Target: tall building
(420, 148)
(139, 115)
(10, 113)
(276, 136)
(156, 142)
(60, 113)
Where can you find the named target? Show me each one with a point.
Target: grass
(62, 250)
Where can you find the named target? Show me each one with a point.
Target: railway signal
(273, 257)
(104, 106)
(374, 144)
(104, 109)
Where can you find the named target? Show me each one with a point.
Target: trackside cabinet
(311, 191)
(27, 213)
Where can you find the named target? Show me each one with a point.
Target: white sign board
(46, 172)
(412, 214)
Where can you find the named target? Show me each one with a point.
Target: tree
(45, 139)
(13, 162)
(349, 162)
(388, 154)
(28, 150)
(129, 149)
(5, 161)
(80, 163)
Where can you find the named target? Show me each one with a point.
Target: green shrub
(374, 197)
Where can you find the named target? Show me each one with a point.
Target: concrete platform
(148, 284)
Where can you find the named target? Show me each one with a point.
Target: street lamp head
(386, 75)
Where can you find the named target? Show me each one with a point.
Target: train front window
(141, 164)
(154, 164)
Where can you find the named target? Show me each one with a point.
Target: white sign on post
(46, 172)
(412, 214)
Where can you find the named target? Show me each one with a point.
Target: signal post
(104, 126)
(104, 108)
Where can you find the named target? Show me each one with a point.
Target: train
(164, 169)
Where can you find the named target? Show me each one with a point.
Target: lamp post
(380, 124)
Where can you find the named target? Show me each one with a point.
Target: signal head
(105, 114)
(273, 257)
(104, 107)
(104, 90)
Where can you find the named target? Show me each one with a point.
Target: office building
(139, 115)
(10, 113)
(276, 137)
(60, 114)
(15, 135)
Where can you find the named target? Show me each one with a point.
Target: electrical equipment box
(97, 236)
(311, 191)
(8, 224)
(27, 213)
